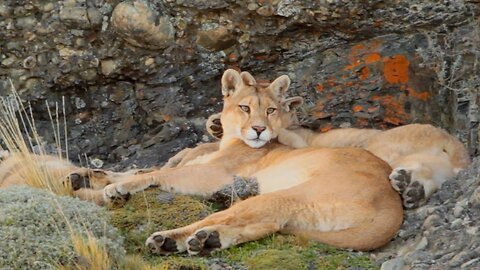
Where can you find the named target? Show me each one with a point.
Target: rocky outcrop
(444, 234)
(140, 76)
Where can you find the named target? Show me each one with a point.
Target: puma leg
(194, 180)
(417, 177)
(248, 220)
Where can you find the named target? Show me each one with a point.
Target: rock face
(443, 234)
(140, 77)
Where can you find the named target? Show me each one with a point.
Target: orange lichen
(395, 69)
(373, 109)
(372, 58)
(166, 117)
(424, 96)
(364, 72)
(357, 108)
(357, 49)
(331, 82)
(353, 65)
(319, 88)
(394, 112)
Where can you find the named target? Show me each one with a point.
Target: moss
(276, 260)
(143, 214)
(271, 253)
(177, 263)
(136, 262)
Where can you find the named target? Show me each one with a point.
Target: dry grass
(92, 255)
(20, 136)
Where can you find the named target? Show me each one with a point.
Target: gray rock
(142, 25)
(393, 264)
(76, 17)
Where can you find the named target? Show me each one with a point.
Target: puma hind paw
(412, 192)
(400, 179)
(414, 195)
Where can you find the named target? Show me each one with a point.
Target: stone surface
(141, 24)
(148, 72)
(437, 236)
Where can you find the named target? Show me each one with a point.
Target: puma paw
(400, 179)
(161, 243)
(79, 180)
(114, 193)
(414, 195)
(214, 126)
(203, 241)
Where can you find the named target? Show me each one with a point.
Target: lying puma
(421, 155)
(87, 184)
(337, 196)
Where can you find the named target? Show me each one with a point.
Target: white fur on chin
(255, 143)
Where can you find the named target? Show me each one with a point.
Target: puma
(339, 196)
(86, 184)
(421, 155)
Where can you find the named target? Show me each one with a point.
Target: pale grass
(17, 121)
(92, 255)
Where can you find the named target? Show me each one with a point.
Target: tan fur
(337, 196)
(421, 155)
(14, 171)
(429, 154)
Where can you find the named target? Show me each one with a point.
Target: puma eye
(271, 110)
(244, 108)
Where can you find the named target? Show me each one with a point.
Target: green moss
(177, 263)
(143, 214)
(276, 260)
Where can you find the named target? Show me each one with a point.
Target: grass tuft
(20, 137)
(23, 142)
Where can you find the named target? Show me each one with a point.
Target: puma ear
(98, 172)
(292, 103)
(230, 80)
(280, 86)
(248, 78)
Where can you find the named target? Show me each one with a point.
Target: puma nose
(259, 129)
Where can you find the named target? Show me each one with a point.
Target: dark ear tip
(74, 177)
(99, 171)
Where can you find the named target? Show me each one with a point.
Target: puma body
(18, 169)
(421, 155)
